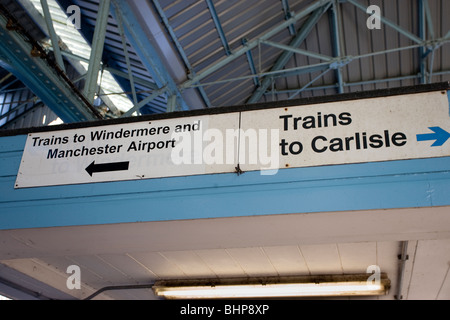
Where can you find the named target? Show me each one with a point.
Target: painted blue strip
(396, 184)
(448, 96)
(241, 202)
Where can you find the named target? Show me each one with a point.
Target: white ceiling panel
(287, 260)
(430, 271)
(444, 290)
(253, 261)
(322, 259)
(356, 257)
(219, 256)
(96, 271)
(159, 265)
(425, 277)
(189, 263)
(129, 267)
(221, 262)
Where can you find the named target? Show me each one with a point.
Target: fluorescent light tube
(334, 286)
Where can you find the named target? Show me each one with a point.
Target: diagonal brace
(286, 55)
(98, 42)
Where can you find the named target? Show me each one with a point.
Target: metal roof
(206, 53)
(195, 54)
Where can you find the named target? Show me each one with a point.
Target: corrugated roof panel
(222, 94)
(250, 19)
(195, 30)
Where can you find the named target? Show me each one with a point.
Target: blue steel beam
(47, 81)
(297, 50)
(425, 22)
(114, 71)
(180, 49)
(288, 15)
(109, 63)
(397, 184)
(357, 83)
(145, 50)
(309, 83)
(286, 55)
(251, 64)
(335, 63)
(127, 56)
(171, 103)
(389, 23)
(18, 108)
(8, 84)
(215, 17)
(276, 74)
(302, 70)
(98, 43)
(53, 36)
(422, 35)
(430, 35)
(336, 43)
(429, 19)
(144, 101)
(254, 43)
(430, 72)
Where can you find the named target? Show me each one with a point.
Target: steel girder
(146, 51)
(287, 54)
(426, 45)
(43, 76)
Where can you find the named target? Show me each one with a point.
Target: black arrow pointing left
(107, 167)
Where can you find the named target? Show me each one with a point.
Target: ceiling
(133, 254)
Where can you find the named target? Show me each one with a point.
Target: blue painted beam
(251, 64)
(422, 49)
(365, 186)
(53, 36)
(145, 50)
(288, 15)
(218, 24)
(180, 49)
(95, 59)
(336, 43)
(108, 59)
(287, 55)
(52, 86)
(254, 43)
(389, 23)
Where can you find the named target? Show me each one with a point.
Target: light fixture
(273, 287)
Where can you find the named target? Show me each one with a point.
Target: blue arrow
(440, 135)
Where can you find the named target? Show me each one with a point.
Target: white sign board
(130, 151)
(368, 130)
